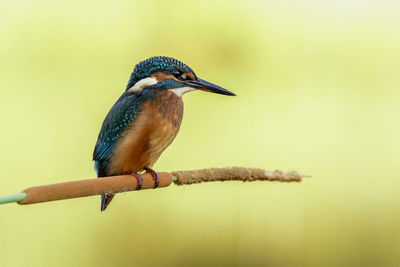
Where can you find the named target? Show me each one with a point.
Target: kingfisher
(145, 119)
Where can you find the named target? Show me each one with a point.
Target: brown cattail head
(235, 174)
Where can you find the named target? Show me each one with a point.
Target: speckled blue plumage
(123, 112)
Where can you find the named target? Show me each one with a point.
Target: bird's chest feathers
(149, 134)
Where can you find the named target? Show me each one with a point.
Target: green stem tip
(12, 198)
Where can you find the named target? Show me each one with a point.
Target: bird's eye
(177, 74)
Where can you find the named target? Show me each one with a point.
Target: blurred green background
(318, 92)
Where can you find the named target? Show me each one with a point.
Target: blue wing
(124, 111)
(119, 118)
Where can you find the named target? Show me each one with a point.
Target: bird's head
(166, 73)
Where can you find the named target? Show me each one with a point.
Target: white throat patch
(181, 90)
(138, 86)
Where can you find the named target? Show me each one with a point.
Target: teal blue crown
(156, 64)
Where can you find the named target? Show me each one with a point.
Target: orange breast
(149, 134)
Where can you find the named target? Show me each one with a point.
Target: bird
(145, 119)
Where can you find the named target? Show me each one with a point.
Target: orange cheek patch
(190, 76)
(161, 76)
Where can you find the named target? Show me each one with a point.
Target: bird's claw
(155, 176)
(139, 179)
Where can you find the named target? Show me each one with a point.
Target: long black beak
(209, 87)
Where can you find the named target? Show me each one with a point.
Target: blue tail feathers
(105, 199)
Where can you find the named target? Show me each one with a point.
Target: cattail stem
(12, 198)
(123, 183)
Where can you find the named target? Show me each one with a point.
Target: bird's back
(122, 114)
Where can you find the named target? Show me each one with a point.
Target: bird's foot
(139, 179)
(155, 176)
